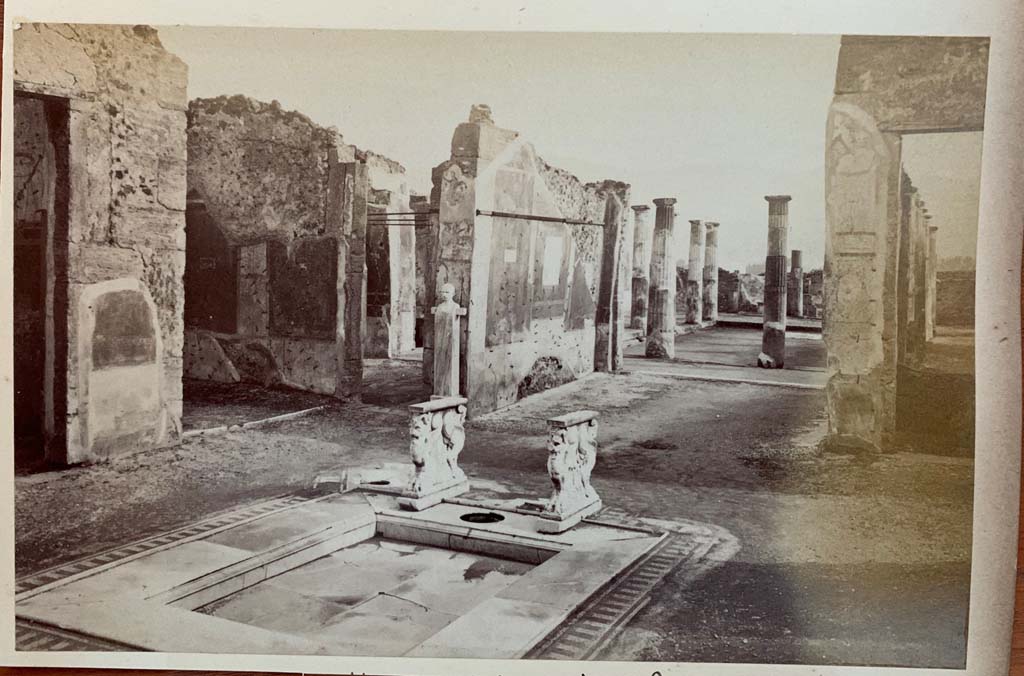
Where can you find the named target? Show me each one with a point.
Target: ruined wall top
(263, 171)
(915, 83)
(126, 64)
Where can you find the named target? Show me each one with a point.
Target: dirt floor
(843, 559)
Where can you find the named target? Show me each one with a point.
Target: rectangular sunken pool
(378, 597)
(340, 574)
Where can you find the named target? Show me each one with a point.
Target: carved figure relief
(572, 454)
(437, 438)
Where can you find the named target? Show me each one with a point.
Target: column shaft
(773, 341)
(661, 317)
(710, 313)
(695, 273)
(642, 235)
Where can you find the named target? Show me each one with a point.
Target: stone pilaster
(795, 289)
(661, 317)
(695, 273)
(642, 235)
(710, 304)
(354, 186)
(773, 342)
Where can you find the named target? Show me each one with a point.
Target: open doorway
(40, 291)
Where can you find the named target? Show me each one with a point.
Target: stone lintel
(438, 404)
(574, 418)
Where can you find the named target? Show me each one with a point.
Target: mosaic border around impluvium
(592, 627)
(36, 583)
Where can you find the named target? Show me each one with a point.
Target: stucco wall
(125, 215)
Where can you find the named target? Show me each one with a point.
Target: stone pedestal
(436, 437)
(773, 341)
(642, 235)
(795, 287)
(572, 454)
(447, 318)
(710, 302)
(661, 317)
(695, 274)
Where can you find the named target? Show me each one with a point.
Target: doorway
(40, 295)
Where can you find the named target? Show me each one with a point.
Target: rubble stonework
(116, 232)
(530, 287)
(276, 186)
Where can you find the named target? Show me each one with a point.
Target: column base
(661, 345)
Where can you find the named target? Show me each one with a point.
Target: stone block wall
(264, 177)
(115, 295)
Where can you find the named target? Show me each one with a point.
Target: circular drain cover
(379, 482)
(482, 517)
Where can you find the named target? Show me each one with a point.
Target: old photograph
(647, 347)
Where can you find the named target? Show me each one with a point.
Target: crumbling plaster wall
(263, 175)
(126, 101)
(521, 330)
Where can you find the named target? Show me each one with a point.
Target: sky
(716, 121)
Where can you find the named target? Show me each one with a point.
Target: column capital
(710, 225)
(640, 208)
(778, 198)
(696, 221)
(664, 201)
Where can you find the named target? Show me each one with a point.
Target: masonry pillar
(773, 341)
(352, 188)
(642, 233)
(710, 311)
(426, 253)
(609, 325)
(661, 312)
(931, 275)
(795, 290)
(695, 273)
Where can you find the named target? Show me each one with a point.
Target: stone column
(931, 274)
(773, 342)
(695, 273)
(661, 312)
(795, 291)
(642, 233)
(608, 345)
(920, 279)
(710, 312)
